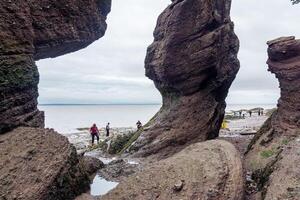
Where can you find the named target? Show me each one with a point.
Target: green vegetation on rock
(137, 134)
(18, 71)
(101, 145)
(285, 141)
(267, 153)
(134, 137)
(118, 144)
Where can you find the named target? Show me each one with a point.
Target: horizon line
(83, 104)
(95, 104)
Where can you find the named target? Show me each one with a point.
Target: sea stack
(192, 62)
(273, 155)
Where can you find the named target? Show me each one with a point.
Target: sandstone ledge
(207, 170)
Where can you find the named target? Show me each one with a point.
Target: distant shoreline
(142, 104)
(138, 104)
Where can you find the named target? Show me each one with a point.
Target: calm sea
(67, 118)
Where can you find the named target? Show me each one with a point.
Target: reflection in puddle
(100, 186)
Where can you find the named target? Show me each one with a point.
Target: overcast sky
(111, 70)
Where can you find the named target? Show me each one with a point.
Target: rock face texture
(273, 155)
(192, 61)
(208, 170)
(31, 30)
(40, 164)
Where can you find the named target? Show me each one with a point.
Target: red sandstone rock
(40, 164)
(273, 155)
(37, 29)
(192, 61)
(205, 170)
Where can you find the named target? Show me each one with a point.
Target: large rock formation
(32, 30)
(274, 154)
(208, 170)
(39, 164)
(192, 61)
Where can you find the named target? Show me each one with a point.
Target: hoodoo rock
(39, 164)
(207, 170)
(192, 61)
(274, 154)
(31, 30)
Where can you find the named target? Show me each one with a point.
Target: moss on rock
(118, 144)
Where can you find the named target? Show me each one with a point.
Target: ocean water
(67, 118)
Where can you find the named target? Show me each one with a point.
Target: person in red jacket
(94, 133)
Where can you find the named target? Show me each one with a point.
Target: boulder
(40, 164)
(31, 30)
(207, 170)
(192, 61)
(118, 170)
(273, 155)
(91, 164)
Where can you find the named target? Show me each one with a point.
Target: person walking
(107, 129)
(94, 133)
(139, 124)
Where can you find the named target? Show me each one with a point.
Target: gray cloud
(111, 70)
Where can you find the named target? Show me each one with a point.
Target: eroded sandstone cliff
(192, 61)
(274, 154)
(32, 30)
(39, 163)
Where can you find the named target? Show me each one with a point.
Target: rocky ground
(197, 172)
(240, 133)
(117, 169)
(82, 139)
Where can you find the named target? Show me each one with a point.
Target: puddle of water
(105, 160)
(98, 154)
(100, 186)
(132, 162)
